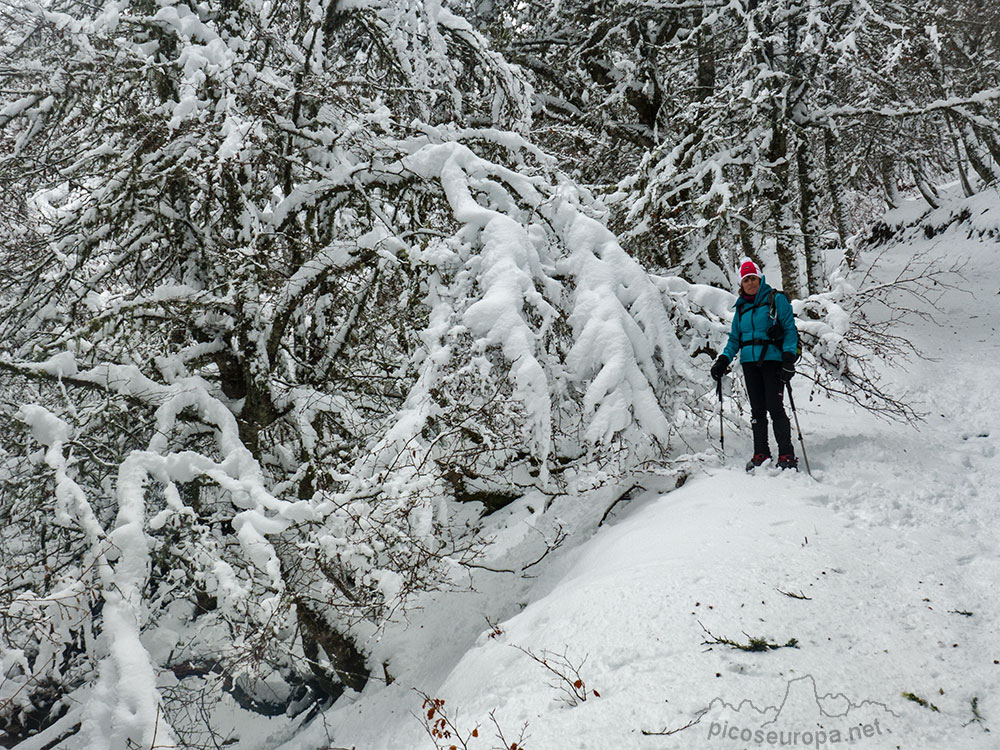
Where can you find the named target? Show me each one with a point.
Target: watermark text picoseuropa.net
(816, 738)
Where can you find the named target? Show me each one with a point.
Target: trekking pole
(722, 438)
(797, 428)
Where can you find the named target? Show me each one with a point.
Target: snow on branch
(954, 103)
(129, 708)
(625, 344)
(528, 262)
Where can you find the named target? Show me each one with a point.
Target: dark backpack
(776, 331)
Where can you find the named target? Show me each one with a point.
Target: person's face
(751, 284)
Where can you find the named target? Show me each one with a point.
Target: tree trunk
(347, 661)
(808, 221)
(887, 167)
(705, 74)
(993, 147)
(927, 190)
(344, 665)
(746, 239)
(835, 186)
(974, 150)
(778, 199)
(963, 173)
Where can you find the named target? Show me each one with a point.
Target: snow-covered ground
(883, 570)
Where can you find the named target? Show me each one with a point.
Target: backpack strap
(772, 305)
(773, 315)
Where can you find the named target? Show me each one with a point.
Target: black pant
(766, 392)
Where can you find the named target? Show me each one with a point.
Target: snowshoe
(757, 460)
(788, 461)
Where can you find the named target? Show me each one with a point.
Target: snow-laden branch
(955, 103)
(125, 704)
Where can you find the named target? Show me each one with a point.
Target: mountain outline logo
(803, 719)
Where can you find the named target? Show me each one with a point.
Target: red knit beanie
(748, 268)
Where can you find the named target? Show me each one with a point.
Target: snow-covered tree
(721, 129)
(285, 290)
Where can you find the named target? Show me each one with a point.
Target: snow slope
(889, 566)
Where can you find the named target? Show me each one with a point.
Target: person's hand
(720, 367)
(787, 367)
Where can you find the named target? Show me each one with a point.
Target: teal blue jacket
(748, 333)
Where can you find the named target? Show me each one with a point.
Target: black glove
(720, 367)
(787, 367)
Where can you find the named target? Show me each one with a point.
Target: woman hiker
(763, 331)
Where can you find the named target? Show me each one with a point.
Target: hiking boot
(788, 461)
(757, 460)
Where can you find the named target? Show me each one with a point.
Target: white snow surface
(891, 552)
(894, 543)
